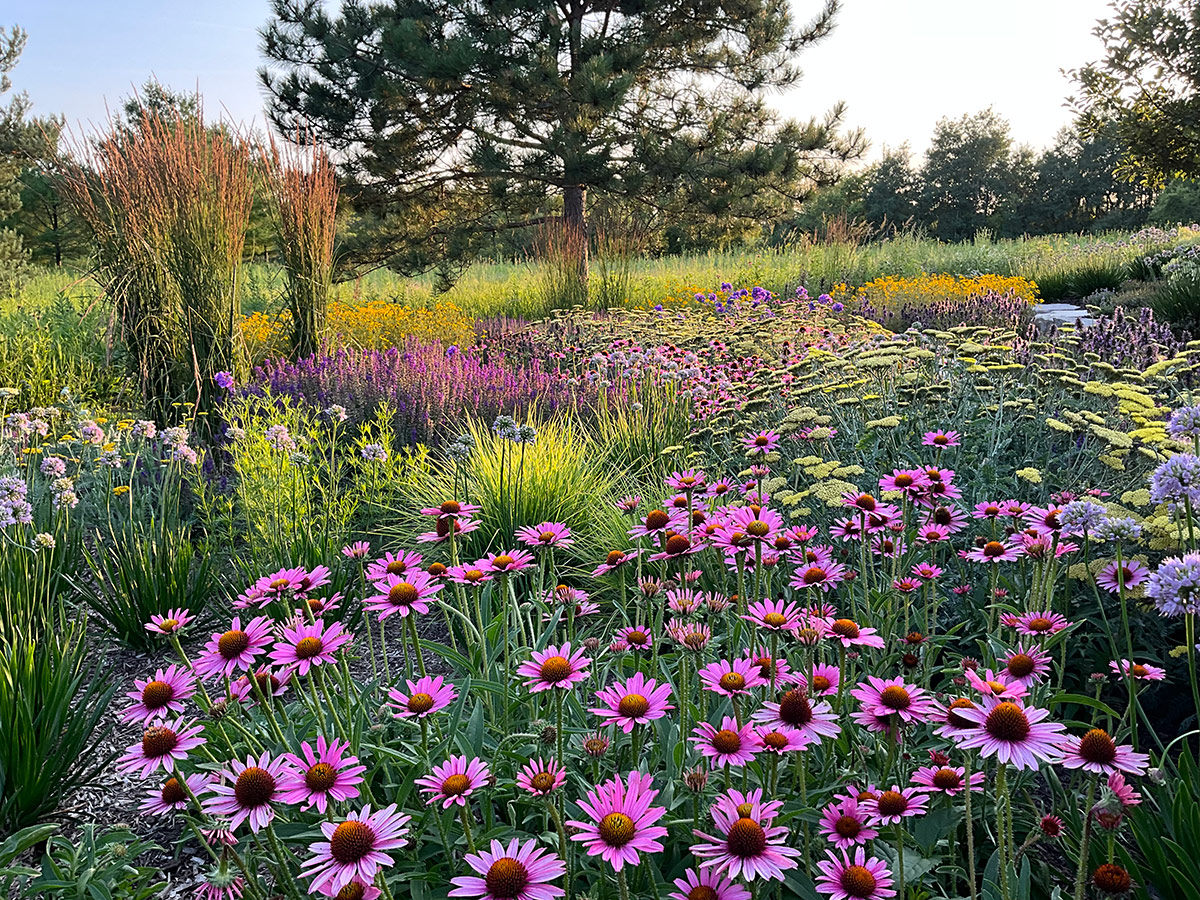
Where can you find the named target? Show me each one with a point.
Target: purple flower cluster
(1175, 587)
(1127, 340)
(429, 389)
(1177, 480)
(989, 308)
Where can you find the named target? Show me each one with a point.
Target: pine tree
(13, 256)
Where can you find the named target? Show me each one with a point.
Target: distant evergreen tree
(13, 255)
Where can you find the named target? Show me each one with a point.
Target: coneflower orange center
(847, 826)
(746, 838)
(1007, 722)
(1040, 623)
(437, 570)
(677, 543)
(233, 644)
(637, 637)
(946, 779)
(450, 508)
(703, 892)
(616, 829)
(794, 708)
(397, 567)
(1021, 665)
(656, 519)
(278, 584)
(157, 694)
(891, 803)
(506, 878)
(895, 697)
(758, 528)
(814, 575)
(733, 681)
(615, 557)
(168, 625)
(726, 741)
(957, 720)
(420, 702)
(546, 537)
(308, 647)
(1140, 671)
(351, 841)
(775, 740)
(992, 549)
(542, 781)
(402, 594)
(1097, 747)
(503, 561)
(158, 740)
(173, 792)
(353, 891)
(774, 619)
(633, 706)
(254, 787)
(456, 784)
(320, 777)
(556, 669)
(820, 683)
(845, 628)
(1112, 879)
(857, 881)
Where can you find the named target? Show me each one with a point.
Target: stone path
(1061, 314)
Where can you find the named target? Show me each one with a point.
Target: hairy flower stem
(622, 886)
(1003, 812)
(465, 816)
(416, 642)
(1082, 871)
(970, 829)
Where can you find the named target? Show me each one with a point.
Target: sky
(900, 65)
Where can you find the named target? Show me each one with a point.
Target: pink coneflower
(728, 745)
(948, 780)
(746, 846)
(357, 550)
(906, 585)
(1132, 573)
(227, 652)
(283, 583)
(636, 637)
(320, 776)
(403, 594)
(469, 574)
(1027, 664)
(658, 521)
(628, 504)
(849, 633)
(354, 849)
(451, 509)
(779, 739)
(687, 481)
(263, 683)
(693, 636)
(758, 522)
(1013, 733)
(847, 529)
(547, 534)
(1141, 671)
(932, 533)
(614, 561)
(994, 552)
(819, 576)
(825, 679)
(454, 781)
(425, 696)
(636, 701)
(555, 667)
(707, 885)
(163, 744)
(760, 443)
(305, 645)
(1122, 791)
(988, 509)
(951, 722)
(909, 481)
(246, 791)
(158, 696)
(621, 820)
(940, 439)
(893, 697)
(996, 684)
(719, 488)
(889, 807)
(794, 710)
(399, 564)
(172, 622)
(844, 824)
(1038, 624)
(446, 527)
(774, 615)
(221, 884)
(518, 872)
(1044, 519)
(731, 678)
(173, 795)
(677, 546)
(1042, 546)
(860, 878)
(767, 666)
(541, 777)
(507, 563)
(1097, 752)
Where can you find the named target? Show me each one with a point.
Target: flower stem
(1082, 871)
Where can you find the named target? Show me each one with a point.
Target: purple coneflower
(620, 822)
(425, 696)
(320, 776)
(354, 849)
(454, 781)
(518, 872)
(164, 693)
(247, 790)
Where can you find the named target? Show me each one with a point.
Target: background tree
(454, 119)
(891, 190)
(13, 256)
(1147, 86)
(1178, 204)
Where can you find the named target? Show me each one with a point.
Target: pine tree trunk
(575, 225)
